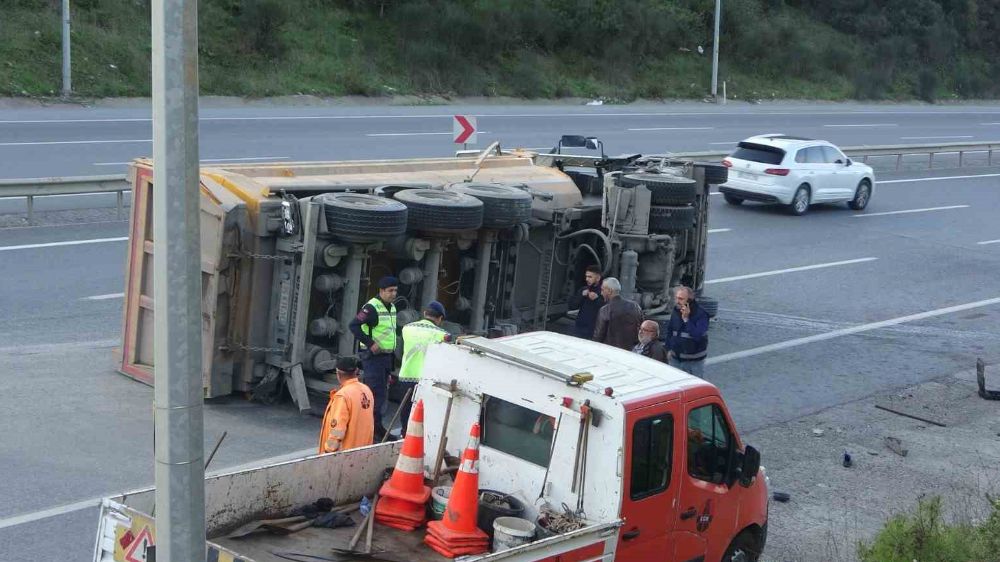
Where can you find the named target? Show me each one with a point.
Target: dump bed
(126, 529)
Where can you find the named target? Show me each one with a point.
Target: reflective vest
(384, 333)
(417, 336)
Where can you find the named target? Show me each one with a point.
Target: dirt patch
(832, 507)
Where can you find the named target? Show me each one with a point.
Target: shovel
(264, 525)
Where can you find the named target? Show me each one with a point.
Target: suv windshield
(758, 153)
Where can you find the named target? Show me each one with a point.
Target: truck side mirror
(573, 141)
(751, 465)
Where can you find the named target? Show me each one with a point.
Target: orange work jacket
(349, 421)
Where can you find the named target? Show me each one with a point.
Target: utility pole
(178, 396)
(715, 51)
(67, 79)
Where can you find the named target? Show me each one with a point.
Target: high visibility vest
(385, 333)
(417, 336)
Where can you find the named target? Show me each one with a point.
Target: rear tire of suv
(862, 196)
(732, 199)
(800, 202)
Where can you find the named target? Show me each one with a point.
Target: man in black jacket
(687, 334)
(589, 302)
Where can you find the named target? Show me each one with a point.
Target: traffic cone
(456, 533)
(403, 500)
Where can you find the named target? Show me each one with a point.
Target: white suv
(797, 172)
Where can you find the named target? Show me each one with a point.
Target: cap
(388, 281)
(347, 363)
(436, 308)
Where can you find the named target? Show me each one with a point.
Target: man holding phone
(687, 333)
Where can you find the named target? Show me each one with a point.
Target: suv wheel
(732, 199)
(862, 196)
(800, 202)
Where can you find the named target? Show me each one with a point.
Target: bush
(922, 535)
(261, 22)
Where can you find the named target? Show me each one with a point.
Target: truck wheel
(715, 173)
(503, 205)
(664, 218)
(358, 217)
(665, 189)
(709, 305)
(436, 209)
(744, 548)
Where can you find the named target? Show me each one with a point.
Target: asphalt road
(815, 311)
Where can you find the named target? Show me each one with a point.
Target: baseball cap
(436, 308)
(388, 281)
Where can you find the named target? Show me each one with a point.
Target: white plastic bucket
(439, 500)
(511, 532)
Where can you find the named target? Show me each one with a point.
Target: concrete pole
(67, 79)
(177, 393)
(715, 50)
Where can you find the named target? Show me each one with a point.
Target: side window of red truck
(709, 439)
(652, 448)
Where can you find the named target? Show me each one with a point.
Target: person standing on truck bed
(618, 321)
(649, 342)
(375, 328)
(589, 302)
(687, 333)
(417, 337)
(349, 421)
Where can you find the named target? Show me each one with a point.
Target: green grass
(619, 50)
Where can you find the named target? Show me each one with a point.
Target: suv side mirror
(751, 465)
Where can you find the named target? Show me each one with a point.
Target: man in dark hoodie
(687, 334)
(589, 302)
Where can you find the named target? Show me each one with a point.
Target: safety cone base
(420, 497)
(446, 535)
(398, 524)
(454, 551)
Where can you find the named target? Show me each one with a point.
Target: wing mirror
(750, 467)
(848, 163)
(580, 141)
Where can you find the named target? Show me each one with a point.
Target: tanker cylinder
(328, 283)
(411, 275)
(484, 254)
(350, 294)
(324, 327)
(432, 265)
(316, 359)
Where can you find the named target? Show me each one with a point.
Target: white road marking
(866, 125)
(944, 137)
(714, 230)
(65, 243)
(985, 242)
(672, 129)
(848, 331)
(909, 211)
(75, 142)
(104, 297)
(989, 123)
(942, 178)
(95, 502)
(249, 159)
(789, 270)
(415, 134)
(716, 193)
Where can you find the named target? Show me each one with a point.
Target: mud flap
(297, 387)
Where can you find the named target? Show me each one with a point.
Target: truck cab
(645, 456)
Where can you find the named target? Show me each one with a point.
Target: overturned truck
(290, 251)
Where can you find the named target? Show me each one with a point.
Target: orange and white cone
(403, 499)
(456, 533)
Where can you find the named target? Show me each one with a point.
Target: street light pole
(715, 51)
(67, 79)
(177, 393)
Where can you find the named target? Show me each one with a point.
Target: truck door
(650, 495)
(705, 519)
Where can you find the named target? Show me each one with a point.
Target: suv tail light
(777, 171)
(727, 163)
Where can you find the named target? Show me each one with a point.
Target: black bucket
(489, 510)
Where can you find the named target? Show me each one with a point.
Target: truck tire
(664, 218)
(503, 205)
(709, 305)
(744, 548)
(358, 217)
(665, 189)
(436, 209)
(715, 173)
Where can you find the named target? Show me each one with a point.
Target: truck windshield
(517, 430)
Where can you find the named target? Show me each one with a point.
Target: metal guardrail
(118, 184)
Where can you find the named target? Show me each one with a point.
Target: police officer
(375, 328)
(417, 337)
